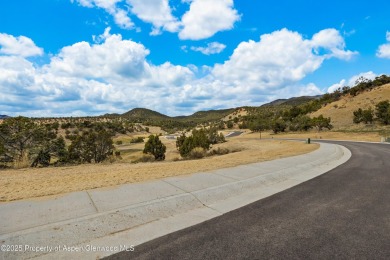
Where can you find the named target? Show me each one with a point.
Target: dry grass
(348, 136)
(31, 183)
(237, 113)
(341, 111)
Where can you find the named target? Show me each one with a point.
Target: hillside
(341, 111)
(276, 105)
(294, 101)
(143, 114)
(3, 116)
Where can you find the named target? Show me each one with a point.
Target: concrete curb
(141, 212)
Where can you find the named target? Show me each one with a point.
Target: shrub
(144, 158)
(197, 153)
(219, 151)
(366, 116)
(91, 147)
(278, 126)
(155, 147)
(321, 122)
(139, 139)
(383, 112)
(198, 139)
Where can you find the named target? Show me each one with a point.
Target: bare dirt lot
(31, 183)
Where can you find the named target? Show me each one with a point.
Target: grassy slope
(341, 111)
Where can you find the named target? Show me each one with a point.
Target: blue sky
(90, 57)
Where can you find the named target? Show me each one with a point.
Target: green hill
(142, 114)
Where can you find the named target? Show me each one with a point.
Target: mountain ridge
(146, 113)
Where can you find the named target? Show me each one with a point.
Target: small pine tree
(155, 147)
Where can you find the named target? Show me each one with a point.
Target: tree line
(368, 116)
(25, 142)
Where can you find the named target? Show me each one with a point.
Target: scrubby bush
(278, 125)
(321, 122)
(139, 139)
(155, 147)
(197, 153)
(382, 112)
(219, 151)
(144, 159)
(366, 116)
(198, 138)
(91, 147)
(301, 123)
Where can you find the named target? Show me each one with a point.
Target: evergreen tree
(155, 147)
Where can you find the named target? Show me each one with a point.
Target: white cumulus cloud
(202, 20)
(384, 49)
(112, 75)
(121, 16)
(352, 81)
(19, 46)
(279, 58)
(156, 12)
(331, 41)
(207, 17)
(211, 48)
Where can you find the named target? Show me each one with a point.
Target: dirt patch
(32, 183)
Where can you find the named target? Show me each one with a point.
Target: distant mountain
(210, 115)
(144, 114)
(4, 116)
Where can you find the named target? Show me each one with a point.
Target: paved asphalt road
(343, 214)
(234, 133)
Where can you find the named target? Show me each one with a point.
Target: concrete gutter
(136, 213)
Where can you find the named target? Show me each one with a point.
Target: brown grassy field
(331, 135)
(31, 183)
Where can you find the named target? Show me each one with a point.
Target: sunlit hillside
(341, 111)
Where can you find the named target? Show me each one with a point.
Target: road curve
(343, 214)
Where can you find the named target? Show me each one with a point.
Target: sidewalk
(136, 213)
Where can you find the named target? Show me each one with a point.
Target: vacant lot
(348, 135)
(31, 183)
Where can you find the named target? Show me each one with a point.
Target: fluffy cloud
(113, 57)
(280, 58)
(332, 43)
(384, 49)
(203, 19)
(121, 17)
(211, 48)
(82, 79)
(19, 46)
(113, 75)
(207, 17)
(156, 12)
(352, 81)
